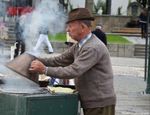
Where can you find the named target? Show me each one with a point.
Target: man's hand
(37, 67)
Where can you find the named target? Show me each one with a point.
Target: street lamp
(148, 36)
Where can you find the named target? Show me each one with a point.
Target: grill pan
(21, 65)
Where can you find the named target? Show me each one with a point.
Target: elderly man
(87, 61)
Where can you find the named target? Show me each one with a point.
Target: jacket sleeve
(87, 58)
(63, 59)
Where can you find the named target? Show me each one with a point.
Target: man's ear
(83, 25)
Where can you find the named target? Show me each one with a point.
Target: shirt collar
(84, 40)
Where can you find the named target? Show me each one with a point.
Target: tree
(108, 6)
(100, 5)
(119, 10)
(89, 5)
(143, 3)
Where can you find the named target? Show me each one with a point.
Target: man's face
(74, 29)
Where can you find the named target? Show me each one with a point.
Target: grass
(116, 39)
(113, 39)
(61, 37)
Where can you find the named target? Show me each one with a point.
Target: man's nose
(67, 29)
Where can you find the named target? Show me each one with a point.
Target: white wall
(114, 8)
(77, 3)
(117, 3)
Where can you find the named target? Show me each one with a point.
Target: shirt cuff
(46, 69)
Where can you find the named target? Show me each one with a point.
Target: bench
(127, 30)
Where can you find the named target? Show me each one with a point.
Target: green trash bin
(38, 104)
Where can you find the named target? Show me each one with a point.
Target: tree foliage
(98, 5)
(143, 3)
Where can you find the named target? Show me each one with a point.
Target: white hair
(99, 27)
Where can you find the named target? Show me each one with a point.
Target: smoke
(3, 32)
(47, 14)
(15, 83)
(3, 55)
(2, 9)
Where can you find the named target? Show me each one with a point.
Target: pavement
(135, 39)
(130, 86)
(128, 82)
